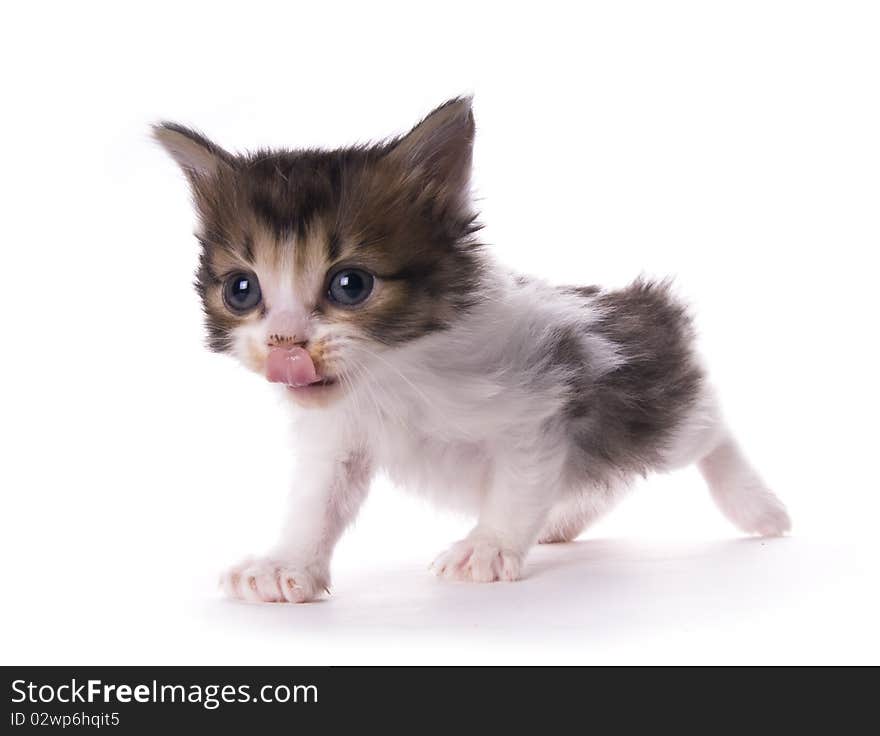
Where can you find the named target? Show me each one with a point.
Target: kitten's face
(314, 263)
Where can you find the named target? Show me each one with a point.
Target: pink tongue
(292, 366)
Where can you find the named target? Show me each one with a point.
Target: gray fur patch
(624, 419)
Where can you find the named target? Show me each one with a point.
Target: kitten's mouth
(320, 393)
(323, 383)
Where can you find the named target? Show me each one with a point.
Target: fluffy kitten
(354, 280)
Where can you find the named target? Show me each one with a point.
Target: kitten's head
(313, 261)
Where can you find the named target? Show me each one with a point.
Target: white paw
(760, 512)
(268, 580)
(477, 561)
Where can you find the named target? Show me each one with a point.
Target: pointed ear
(196, 155)
(438, 152)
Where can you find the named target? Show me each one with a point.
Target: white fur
(462, 416)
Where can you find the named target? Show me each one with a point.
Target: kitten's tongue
(292, 366)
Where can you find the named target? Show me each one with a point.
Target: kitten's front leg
(329, 492)
(523, 489)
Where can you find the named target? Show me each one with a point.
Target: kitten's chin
(315, 395)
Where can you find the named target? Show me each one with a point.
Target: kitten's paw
(269, 580)
(760, 512)
(477, 561)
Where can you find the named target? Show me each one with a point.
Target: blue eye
(350, 286)
(241, 292)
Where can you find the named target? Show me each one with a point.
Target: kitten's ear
(439, 150)
(196, 155)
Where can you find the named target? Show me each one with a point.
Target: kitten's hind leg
(736, 487)
(572, 515)
(565, 523)
(740, 493)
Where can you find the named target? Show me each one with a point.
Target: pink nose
(285, 329)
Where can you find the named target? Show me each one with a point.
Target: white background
(735, 146)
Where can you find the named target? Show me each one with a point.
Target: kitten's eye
(350, 286)
(242, 292)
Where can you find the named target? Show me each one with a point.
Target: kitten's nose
(286, 329)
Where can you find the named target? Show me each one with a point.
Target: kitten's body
(530, 405)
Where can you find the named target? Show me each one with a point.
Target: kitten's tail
(740, 493)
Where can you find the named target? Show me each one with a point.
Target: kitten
(354, 279)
